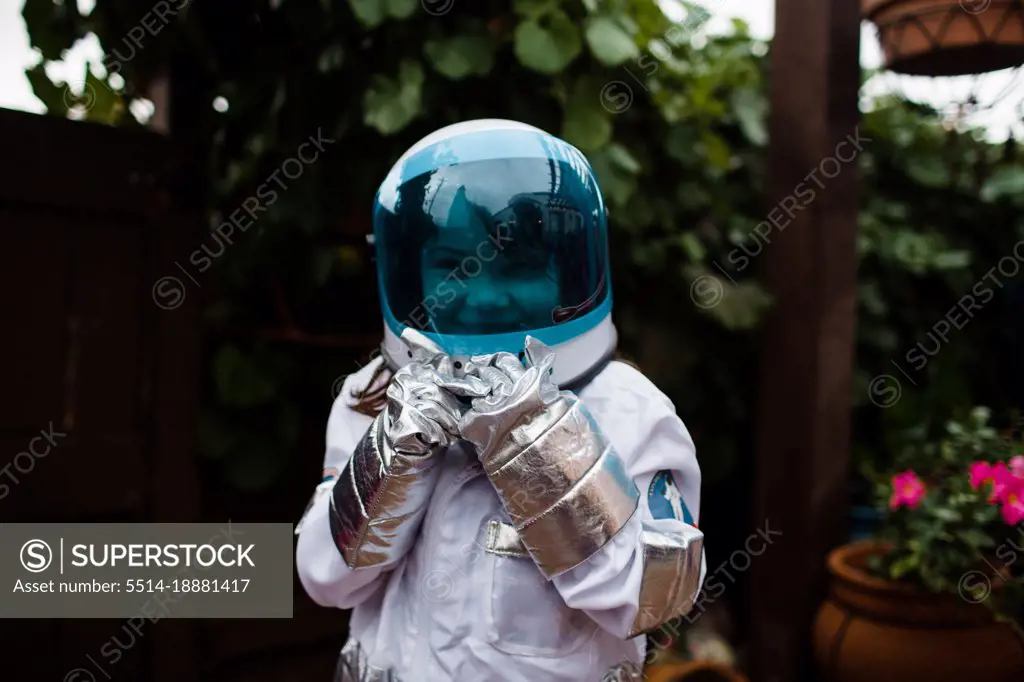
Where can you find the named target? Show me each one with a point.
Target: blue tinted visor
(493, 249)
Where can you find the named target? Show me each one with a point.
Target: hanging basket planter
(948, 37)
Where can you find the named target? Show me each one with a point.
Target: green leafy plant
(951, 516)
(677, 164)
(674, 123)
(935, 223)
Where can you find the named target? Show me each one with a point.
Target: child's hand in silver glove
(561, 483)
(423, 406)
(516, 392)
(382, 494)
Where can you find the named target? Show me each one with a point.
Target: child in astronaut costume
(523, 507)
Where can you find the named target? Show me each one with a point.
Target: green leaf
(52, 96)
(609, 42)
(681, 145)
(696, 17)
(693, 247)
(931, 171)
(547, 49)
(331, 58)
(53, 27)
(741, 27)
(370, 13)
(734, 306)
(903, 566)
(461, 56)
(534, 9)
(91, 98)
(981, 415)
(101, 104)
(402, 9)
(914, 251)
(751, 108)
(694, 197)
(586, 127)
(716, 149)
(871, 298)
(952, 260)
(391, 103)
(585, 122)
(622, 159)
(1007, 181)
(616, 184)
(975, 538)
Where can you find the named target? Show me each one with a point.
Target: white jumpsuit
(458, 607)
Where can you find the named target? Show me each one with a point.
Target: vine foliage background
(674, 123)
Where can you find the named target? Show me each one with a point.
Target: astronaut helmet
(490, 230)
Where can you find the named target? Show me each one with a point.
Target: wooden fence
(102, 354)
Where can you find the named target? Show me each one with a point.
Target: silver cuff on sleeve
(354, 666)
(381, 496)
(565, 489)
(379, 500)
(671, 577)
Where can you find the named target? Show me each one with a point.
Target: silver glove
(380, 498)
(671, 577)
(565, 489)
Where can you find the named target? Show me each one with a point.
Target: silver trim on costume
(534, 481)
(381, 496)
(354, 666)
(367, 503)
(671, 578)
(671, 575)
(585, 519)
(503, 540)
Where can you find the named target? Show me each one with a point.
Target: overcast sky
(15, 56)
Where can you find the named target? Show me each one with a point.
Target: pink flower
(1002, 481)
(907, 490)
(1012, 497)
(981, 472)
(1017, 466)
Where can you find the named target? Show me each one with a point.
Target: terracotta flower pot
(948, 37)
(693, 671)
(872, 630)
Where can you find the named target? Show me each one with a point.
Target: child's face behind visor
(480, 281)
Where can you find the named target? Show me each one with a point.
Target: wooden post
(175, 648)
(802, 471)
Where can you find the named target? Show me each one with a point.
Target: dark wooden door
(99, 382)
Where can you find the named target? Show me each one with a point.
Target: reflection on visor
(565, 313)
(460, 255)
